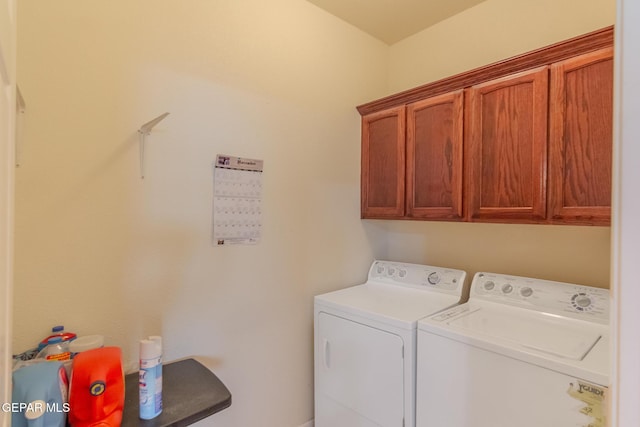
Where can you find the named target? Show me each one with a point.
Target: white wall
(7, 165)
(102, 251)
(491, 31)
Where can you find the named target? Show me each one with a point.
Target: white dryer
(521, 352)
(365, 343)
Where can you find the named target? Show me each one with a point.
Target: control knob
(489, 285)
(581, 301)
(526, 292)
(433, 278)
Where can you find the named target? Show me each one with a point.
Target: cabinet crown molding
(556, 52)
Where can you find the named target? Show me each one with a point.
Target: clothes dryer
(365, 343)
(521, 352)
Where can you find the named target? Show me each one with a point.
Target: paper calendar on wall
(237, 200)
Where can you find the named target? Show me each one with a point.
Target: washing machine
(520, 352)
(365, 343)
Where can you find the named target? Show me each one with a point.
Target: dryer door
(360, 380)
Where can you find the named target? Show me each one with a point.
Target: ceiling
(394, 20)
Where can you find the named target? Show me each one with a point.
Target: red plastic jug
(96, 393)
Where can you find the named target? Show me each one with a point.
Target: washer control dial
(507, 288)
(489, 285)
(526, 291)
(581, 301)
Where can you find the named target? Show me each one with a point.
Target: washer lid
(538, 331)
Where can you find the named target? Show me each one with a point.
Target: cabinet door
(434, 157)
(383, 164)
(581, 136)
(506, 153)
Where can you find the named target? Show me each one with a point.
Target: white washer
(521, 352)
(365, 343)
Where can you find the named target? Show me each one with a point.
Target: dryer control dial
(433, 278)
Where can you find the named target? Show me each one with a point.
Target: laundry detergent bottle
(96, 394)
(40, 393)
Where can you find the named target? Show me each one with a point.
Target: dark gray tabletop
(190, 392)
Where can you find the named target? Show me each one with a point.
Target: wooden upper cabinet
(383, 164)
(581, 136)
(506, 153)
(434, 157)
(524, 140)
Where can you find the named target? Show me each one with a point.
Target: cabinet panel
(383, 163)
(507, 148)
(434, 157)
(581, 136)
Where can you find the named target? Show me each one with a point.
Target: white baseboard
(308, 424)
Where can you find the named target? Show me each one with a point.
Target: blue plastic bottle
(56, 331)
(41, 391)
